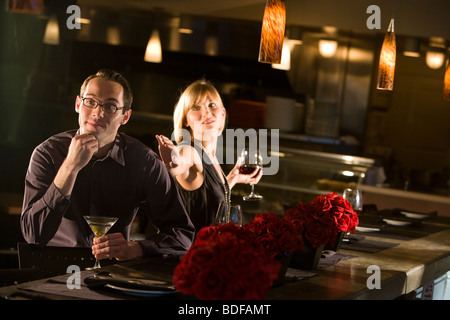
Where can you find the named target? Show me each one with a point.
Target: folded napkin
(365, 245)
(330, 258)
(297, 274)
(414, 214)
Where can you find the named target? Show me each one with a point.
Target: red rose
(317, 235)
(276, 235)
(226, 262)
(323, 203)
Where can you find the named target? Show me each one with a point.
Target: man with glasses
(98, 171)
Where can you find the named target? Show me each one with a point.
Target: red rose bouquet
(314, 225)
(226, 262)
(276, 235)
(321, 220)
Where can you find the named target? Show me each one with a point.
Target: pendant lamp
(153, 52)
(285, 63)
(327, 47)
(386, 67)
(272, 33)
(435, 59)
(447, 82)
(51, 35)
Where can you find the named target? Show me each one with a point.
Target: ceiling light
(185, 26)
(153, 52)
(113, 35)
(272, 33)
(386, 67)
(51, 35)
(285, 63)
(436, 53)
(435, 59)
(447, 82)
(185, 30)
(83, 20)
(295, 35)
(412, 47)
(327, 48)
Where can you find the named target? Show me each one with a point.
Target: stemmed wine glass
(355, 198)
(251, 161)
(100, 226)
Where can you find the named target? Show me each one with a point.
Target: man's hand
(81, 150)
(115, 246)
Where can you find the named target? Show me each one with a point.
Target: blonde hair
(192, 95)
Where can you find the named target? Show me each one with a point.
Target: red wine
(249, 168)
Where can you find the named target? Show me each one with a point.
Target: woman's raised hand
(167, 151)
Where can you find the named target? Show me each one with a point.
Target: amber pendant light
(272, 33)
(386, 67)
(153, 52)
(447, 82)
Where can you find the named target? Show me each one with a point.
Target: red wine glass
(251, 161)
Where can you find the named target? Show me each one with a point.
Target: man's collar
(117, 151)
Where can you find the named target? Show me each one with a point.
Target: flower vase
(337, 244)
(284, 260)
(308, 258)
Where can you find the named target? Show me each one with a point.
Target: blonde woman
(199, 118)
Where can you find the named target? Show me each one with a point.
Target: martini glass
(100, 226)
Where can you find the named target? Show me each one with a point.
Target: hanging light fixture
(113, 35)
(285, 63)
(435, 59)
(272, 33)
(412, 47)
(386, 67)
(436, 53)
(327, 47)
(447, 82)
(295, 35)
(153, 52)
(185, 25)
(51, 35)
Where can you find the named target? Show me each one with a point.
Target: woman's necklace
(226, 187)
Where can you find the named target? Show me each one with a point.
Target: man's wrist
(135, 250)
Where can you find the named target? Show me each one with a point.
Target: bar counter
(404, 268)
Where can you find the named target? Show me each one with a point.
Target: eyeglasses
(106, 107)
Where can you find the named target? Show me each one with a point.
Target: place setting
(133, 286)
